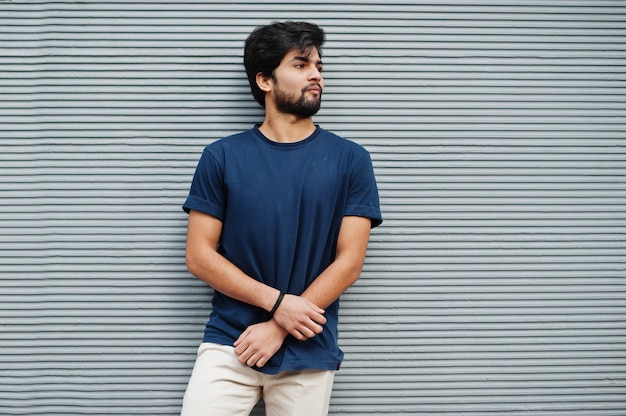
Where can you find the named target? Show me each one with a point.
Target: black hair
(267, 46)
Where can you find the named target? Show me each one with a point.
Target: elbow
(356, 273)
(192, 260)
(353, 271)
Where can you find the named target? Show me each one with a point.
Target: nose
(315, 74)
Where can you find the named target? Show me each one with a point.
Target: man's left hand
(259, 342)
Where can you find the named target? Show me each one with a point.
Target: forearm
(334, 281)
(204, 262)
(223, 276)
(347, 266)
(261, 341)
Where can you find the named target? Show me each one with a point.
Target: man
(279, 221)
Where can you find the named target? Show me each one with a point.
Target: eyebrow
(305, 59)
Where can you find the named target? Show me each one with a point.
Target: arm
(204, 262)
(339, 276)
(259, 342)
(346, 269)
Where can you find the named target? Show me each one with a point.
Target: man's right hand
(300, 317)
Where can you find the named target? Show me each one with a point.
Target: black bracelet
(277, 304)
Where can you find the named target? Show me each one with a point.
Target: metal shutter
(496, 284)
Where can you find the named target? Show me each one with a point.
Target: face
(298, 83)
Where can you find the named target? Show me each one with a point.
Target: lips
(315, 89)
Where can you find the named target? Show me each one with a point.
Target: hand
(259, 342)
(300, 317)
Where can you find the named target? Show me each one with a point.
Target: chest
(282, 180)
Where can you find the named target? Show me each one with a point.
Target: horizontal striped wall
(495, 286)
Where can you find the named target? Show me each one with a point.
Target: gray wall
(495, 286)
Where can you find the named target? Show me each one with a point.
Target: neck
(286, 128)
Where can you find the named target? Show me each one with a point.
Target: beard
(299, 106)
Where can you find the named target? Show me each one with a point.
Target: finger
(307, 332)
(240, 346)
(298, 335)
(240, 349)
(311, 328)
(317, 329)
(242, 337)
(317, 318)
(254, 360)
(261, 362)
(244, 357)
(316, 308)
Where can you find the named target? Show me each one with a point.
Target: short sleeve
(207, 192)
(363, 200)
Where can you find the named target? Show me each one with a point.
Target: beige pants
(221, 386)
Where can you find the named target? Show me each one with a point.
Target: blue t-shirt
(281, 205)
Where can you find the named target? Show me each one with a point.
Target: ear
(264, 83)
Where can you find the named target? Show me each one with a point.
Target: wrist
(267, 298)
(276, 305)
(279, 328)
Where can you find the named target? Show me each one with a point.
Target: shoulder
(221, 148)
(343, 144)
(230, 141)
